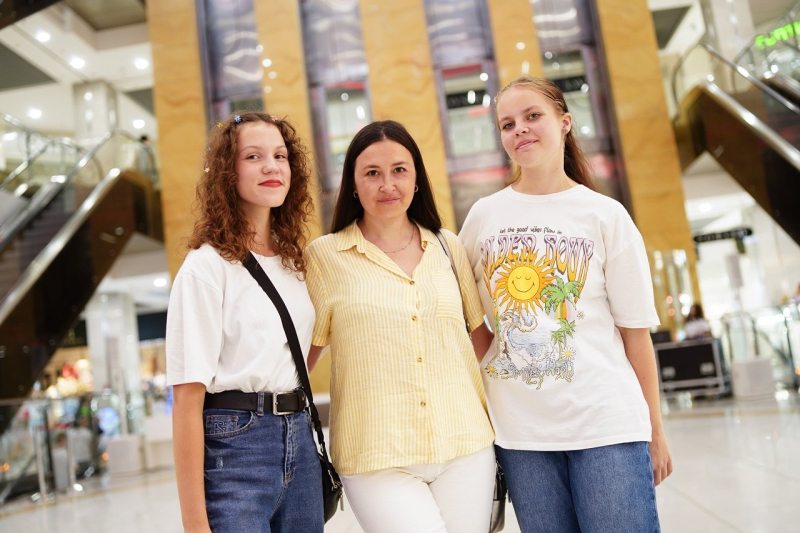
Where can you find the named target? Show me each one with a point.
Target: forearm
(188, 446)
(313, 356)
(481, 341)
(640, 353)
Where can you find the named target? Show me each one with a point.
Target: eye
(281, 156)
(372, 172)
(252, 156)
(506, 125)
(400, 169)
(533, 116)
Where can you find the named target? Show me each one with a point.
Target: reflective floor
(737, 468)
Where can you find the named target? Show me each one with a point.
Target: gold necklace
(413, 231)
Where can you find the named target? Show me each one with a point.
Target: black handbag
(331, 484)
(498, 519)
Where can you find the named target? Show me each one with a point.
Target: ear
(566, 123)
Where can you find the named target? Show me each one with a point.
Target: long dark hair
(575, 164)
(423, 206)
(220, 219)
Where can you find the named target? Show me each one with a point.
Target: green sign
(784, 33)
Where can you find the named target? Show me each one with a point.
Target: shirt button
(423, 404)
(412, 282)
(414, 317)
(419, 359)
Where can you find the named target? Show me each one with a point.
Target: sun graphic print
(522, 278)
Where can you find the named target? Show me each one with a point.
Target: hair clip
(219, 124)
(209, 225)
(237, 119)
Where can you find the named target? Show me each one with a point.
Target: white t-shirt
(223, 330)
(556, 273)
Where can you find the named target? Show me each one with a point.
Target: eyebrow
(254, 147)
(523, 112)
(393, 164)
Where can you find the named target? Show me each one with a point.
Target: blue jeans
(262, 473)
(599, 490)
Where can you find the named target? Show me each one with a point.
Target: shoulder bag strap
(455, 271)
(251, 263)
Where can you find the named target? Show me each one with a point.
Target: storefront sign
(784, 33)
(723, 235)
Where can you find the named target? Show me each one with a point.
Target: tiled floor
(737, 468)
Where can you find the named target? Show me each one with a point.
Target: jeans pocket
(222, 423)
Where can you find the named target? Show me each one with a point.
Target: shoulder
(606, 203)
(206, 264)
(322, 246)
(451, 239)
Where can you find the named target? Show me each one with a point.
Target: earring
(416, 188)
(355, 194)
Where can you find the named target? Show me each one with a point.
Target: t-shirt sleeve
(319, 297)
(469, 235)
(194, 331)
(469, 292)
(628, 282)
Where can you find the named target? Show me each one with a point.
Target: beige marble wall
(181, 114)
(516, 46)
(402, 83)
(647, 137)
(285, 87)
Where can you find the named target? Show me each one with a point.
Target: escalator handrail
(775, 141)
(25, 164)
(43, 197)
(43, 260)
(741, 70)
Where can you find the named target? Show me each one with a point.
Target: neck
(543, 179)
(259, 222)
(384, 230)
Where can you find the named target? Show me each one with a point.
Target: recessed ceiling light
(77, 62)
(138, 123)
(484, 76)
(267, 63)
(704, 207)
(141, 63)
(259, 48)
(160, 282)
(42, 36)
(34, 113)
(520, 46)
(10, 136)
(88, 96)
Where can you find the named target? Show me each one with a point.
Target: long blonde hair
(575, 164)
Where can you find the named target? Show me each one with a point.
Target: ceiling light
(586, 130)
(88, 96)
(471, 97)
(268, 89)
(138, 123)
(345, 97)
(484, 76)
(160, 282)
(487, 100)
(267, 63)
(34, 113)
(704, 207)
(259, 48)
(10, 136)
(520, 46)
(141, 63)
(272, 75)
(77, 63)
(360, 113)
(42, 36)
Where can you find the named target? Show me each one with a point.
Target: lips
(271, 183)
(523, 144)
(388, 200)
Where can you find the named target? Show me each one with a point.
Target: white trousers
(454, 496)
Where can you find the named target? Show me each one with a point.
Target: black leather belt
(278, 403)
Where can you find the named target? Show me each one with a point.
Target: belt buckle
(275, 403)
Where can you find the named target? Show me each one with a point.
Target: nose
(387, 183)
(270, 165)
(521, 128)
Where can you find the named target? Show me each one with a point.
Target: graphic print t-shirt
(556, 273)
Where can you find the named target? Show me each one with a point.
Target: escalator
(750, 128)
(61, 235)
(13, 11)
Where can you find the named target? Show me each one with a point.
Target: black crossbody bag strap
(449, 255)
(251, 263)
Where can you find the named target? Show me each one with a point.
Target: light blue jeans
(262, 473)
(609, 489)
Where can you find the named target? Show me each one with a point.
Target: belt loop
(260, 410)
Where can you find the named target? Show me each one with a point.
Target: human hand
(660, 457)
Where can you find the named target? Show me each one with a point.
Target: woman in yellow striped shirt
(410, 434)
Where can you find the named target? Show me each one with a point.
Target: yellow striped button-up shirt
(405, 384)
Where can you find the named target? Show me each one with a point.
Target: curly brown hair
(222, 223)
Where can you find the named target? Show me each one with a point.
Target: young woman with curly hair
(245, 456)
